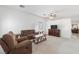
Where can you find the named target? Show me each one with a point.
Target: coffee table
(39, 38)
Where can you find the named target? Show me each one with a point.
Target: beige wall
(15, 20)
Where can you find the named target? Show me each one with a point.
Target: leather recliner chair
(11, 46)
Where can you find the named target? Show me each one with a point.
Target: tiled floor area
(75, 36)
(55, 45)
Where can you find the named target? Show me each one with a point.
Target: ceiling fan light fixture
(22, 6)
(52, 16)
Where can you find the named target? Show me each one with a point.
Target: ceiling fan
(50, 16)
(22, 6)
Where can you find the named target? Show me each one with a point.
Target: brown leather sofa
(29, 33)
(11, 45)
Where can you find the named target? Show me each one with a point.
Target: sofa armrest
(24, 43)
(22, 38)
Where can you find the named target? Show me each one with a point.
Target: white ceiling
(62, 11)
